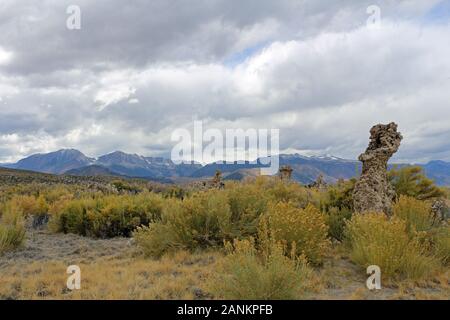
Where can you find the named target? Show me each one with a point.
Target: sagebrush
(264, 273)
(12, 229)
(379, 240)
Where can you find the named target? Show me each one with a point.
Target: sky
(138, 70)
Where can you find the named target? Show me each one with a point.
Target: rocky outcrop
(373, 192)
(285, 173)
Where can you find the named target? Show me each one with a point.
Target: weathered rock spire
(373, 191)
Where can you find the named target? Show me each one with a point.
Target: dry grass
(185, 275)
(378, 240)
(179, 276)
(260, 273)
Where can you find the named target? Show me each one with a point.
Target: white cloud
(5, 56)
(319, 75)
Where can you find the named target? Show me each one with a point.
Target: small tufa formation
(319, 183)
(285, 173)
(373, 191)
(217, 180)
(440, 210)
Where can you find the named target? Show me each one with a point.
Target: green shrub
(252, 274)
(12, 229)
(416, 213)
(339, 196)
(175, 192)
(411, 181)
(293, 192)
(123, 187)
(55, 193)
(305, 228)
(73, 216)
(119, 216)
(336, 219)
(248, 202)
(156, 239)
(106, 216)
(441, 244)
(377, 240)
(201, 221)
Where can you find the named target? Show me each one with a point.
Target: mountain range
(305, 169)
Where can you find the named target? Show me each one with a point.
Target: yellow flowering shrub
(305, 229)
(31, 205)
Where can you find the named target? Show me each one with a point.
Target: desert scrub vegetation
(262, 272)
(250, 200)
(338, 196)
(208, 218)
(12, 229)
(105, 216)
(417, 214)
(281, 191)
(201, 221)
(31, 205)
(440, 242)
(337, 204)
(376, 239)
(222, 235)
(302, 230)
(247, 203)
(423, 224)
(34, 207)
(411, 181)
(336, 219)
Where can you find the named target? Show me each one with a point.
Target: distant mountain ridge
(305, 169)
(74, 162)
(56, 162)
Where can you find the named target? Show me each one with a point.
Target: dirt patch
(41, 245)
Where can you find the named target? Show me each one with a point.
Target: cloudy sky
(137, 70)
